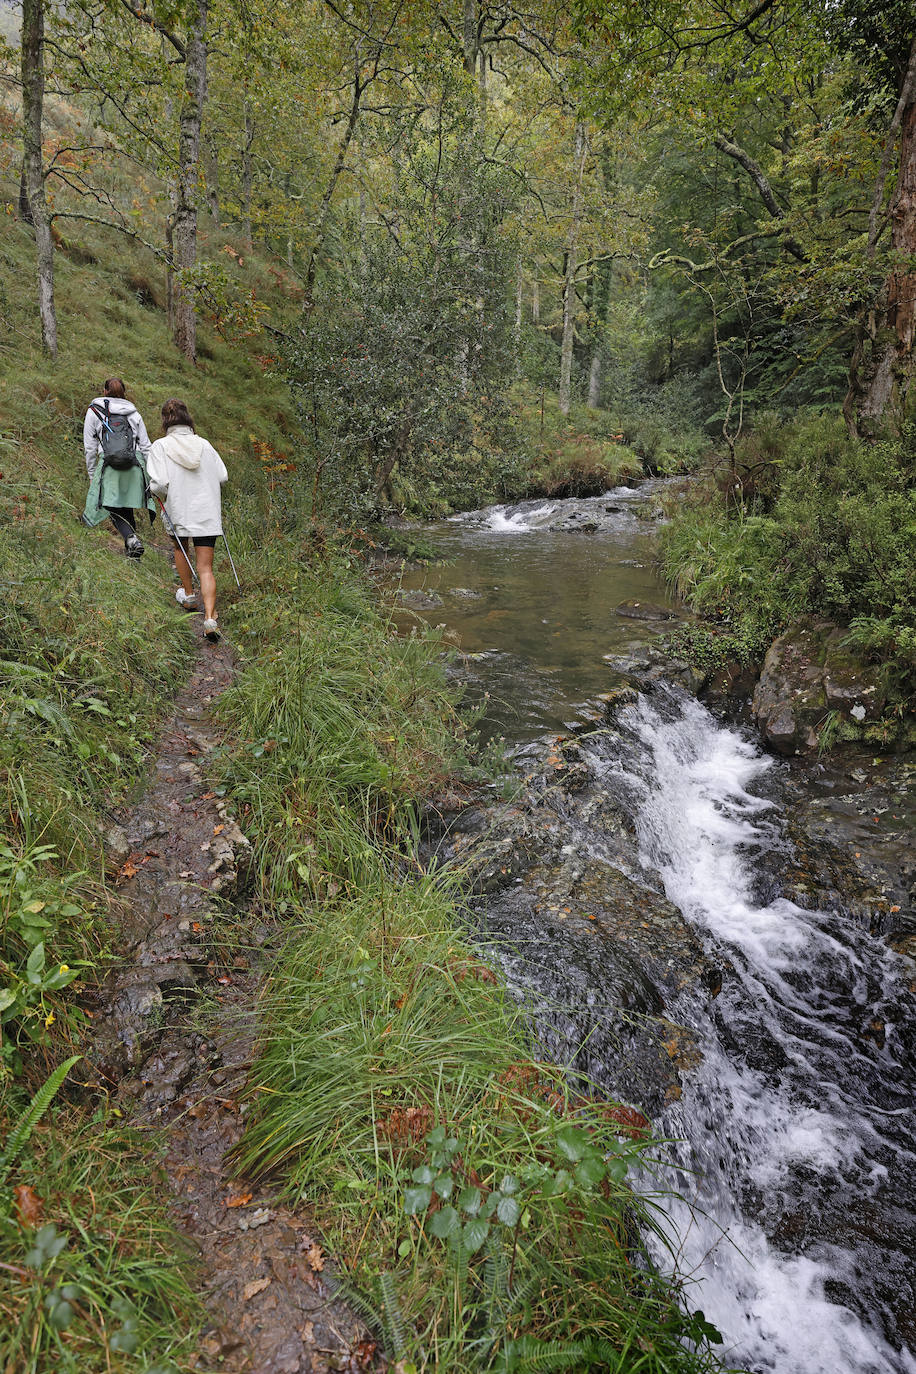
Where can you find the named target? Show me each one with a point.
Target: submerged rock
(645, 610)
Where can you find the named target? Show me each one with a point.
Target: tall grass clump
(339, 725)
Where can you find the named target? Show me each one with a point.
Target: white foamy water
(790, 1109)
(522, 522)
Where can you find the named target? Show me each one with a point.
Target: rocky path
(175, 1031)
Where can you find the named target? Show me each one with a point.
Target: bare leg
(181, 565)
(207, 580)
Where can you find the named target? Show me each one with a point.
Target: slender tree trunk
(33, 86)
(170, 262)
(535, 302)
(184, 313)
(601, 299)
(594, 379)
(212, 173)
(569, 279)
(882, 365)
(517, 332)
(469, 36)
(359, 85)
(247, 178)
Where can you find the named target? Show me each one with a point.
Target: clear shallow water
(533, 607)
(796, 1163)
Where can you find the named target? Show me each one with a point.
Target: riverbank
(698, 928)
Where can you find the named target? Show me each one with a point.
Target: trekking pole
(170, 531)
(232, 564)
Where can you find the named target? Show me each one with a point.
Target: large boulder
(812, 689)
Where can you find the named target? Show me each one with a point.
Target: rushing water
(796, 1162)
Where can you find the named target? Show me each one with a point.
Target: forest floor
(176, 1025)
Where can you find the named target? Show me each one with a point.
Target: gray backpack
(118, 441)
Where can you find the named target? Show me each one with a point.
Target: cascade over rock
(807, 674)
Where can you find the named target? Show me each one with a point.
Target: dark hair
(175, 412)
(114, 387)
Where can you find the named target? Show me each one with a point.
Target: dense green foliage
(827, 525)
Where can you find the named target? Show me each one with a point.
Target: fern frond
(394, 1319)
(32, 1114)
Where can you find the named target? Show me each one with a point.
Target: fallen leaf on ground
(365, 1353)
(307, 1332)
(217, 830)
(315, 1258)
(257, 1286)
(28, 1205)
(239, 1200)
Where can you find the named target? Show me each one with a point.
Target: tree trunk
(517, 331)
(569, 278)
(882, 364)
(469, 36)
(601, 299)
(535, 302)
(594, 378)
(212, 173)
(192, 109)
(247, 177)
(33, 87)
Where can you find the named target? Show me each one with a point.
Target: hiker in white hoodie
(186, 473)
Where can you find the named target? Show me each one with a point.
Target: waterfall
(795, 1159)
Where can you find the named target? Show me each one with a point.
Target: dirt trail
(265, 1281)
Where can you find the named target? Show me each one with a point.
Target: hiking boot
(211, 630)
(133, 548)
(187, 600)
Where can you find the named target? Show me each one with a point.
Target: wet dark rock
(807, 675)
(644, 610)
(603, 961)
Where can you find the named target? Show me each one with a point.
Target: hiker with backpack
(116, 446)
(187, 473)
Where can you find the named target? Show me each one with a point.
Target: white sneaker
(186, 599)
(211, 630)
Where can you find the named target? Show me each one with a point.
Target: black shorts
(200, 541)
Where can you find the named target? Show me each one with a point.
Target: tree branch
(755, 172)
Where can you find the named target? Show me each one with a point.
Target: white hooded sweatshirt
(92, 428)
(186, 473)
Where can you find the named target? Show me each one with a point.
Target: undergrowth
(827, 527)
(582, 454)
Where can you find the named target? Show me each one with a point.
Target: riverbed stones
(811, 687)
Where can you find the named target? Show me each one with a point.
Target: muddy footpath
(175, 1029)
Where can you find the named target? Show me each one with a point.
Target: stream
(790, 1192)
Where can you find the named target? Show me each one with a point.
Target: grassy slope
(337, 728)
(92, 648)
